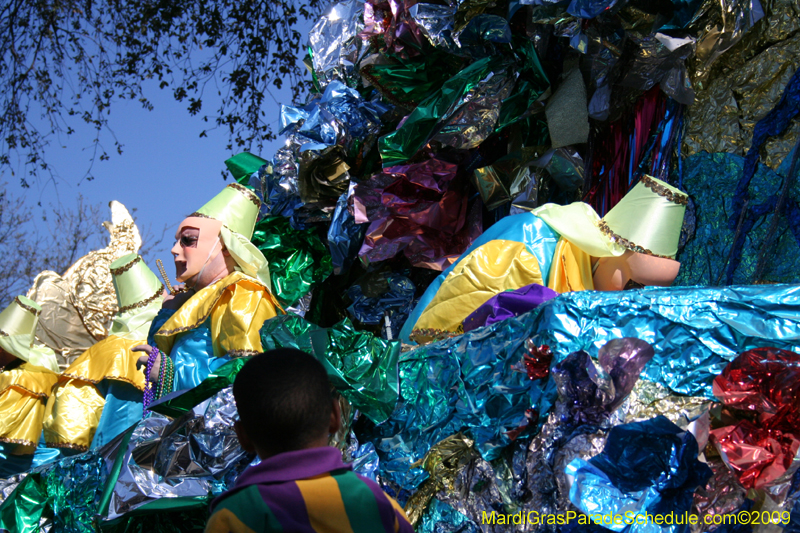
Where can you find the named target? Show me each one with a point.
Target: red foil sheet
(761, 386)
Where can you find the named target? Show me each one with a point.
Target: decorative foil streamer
(645, 467)
(335, 43)
(298, 260)
(414, 209)
(78, 306)
(711, 180)
(362, 367)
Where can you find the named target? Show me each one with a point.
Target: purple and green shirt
(308, 491)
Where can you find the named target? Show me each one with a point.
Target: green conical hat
(648, 219)
(236, 207)
(135, 284)
(18, 332)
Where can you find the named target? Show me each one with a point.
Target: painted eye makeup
(188, 241)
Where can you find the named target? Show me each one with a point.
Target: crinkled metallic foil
(339, 115)
(745, 83)
(501, 181)
(78, 306)
(436, 22)
(722, 494)
(21, 510)
(335, 42)
(397, 147)
(298, 260)
(394, 303)
(724, 24)
(362, 367)
(645, 467)
(443, 462)
(406, 82)
(345, 235)
(474, 119)
(281, 191)
(441, 517)
(186, 459)
(471, 383)
(694, 331)
(711, 179)
(416, 209)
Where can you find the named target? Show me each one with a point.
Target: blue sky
(165, 172)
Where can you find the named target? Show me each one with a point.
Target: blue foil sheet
(397, 299)
(440, 517)
(345, 236)
(710, 180)
(695, 331)
(471, 383)
(338, 116)
(648, 467)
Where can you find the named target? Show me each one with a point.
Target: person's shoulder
(242, 511)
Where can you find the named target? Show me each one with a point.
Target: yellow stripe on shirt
(324, 505)
(224, 521)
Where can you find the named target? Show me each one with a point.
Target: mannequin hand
(175, 301)
(141, 363)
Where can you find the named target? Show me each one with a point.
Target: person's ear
(336, 418)
(244, 441)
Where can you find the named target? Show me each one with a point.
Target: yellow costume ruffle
(74, 409)
(495, 267)
(23, 393)
(236, 305)
(498, 266)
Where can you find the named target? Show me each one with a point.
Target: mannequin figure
(565, 248)
(225, 297)
(27, 373)
(100, 395)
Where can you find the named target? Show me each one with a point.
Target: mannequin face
(198, 248)
(614, 273)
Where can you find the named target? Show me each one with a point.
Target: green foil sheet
(531, 84)
(74, 490)
(399, 146)
(362, 367)
(406, 82)
(22, 510)
(298, 260)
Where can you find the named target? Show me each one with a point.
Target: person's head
(200, 257)
(285, 403)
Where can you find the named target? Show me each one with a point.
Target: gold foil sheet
(78, 306)
(743, 84)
